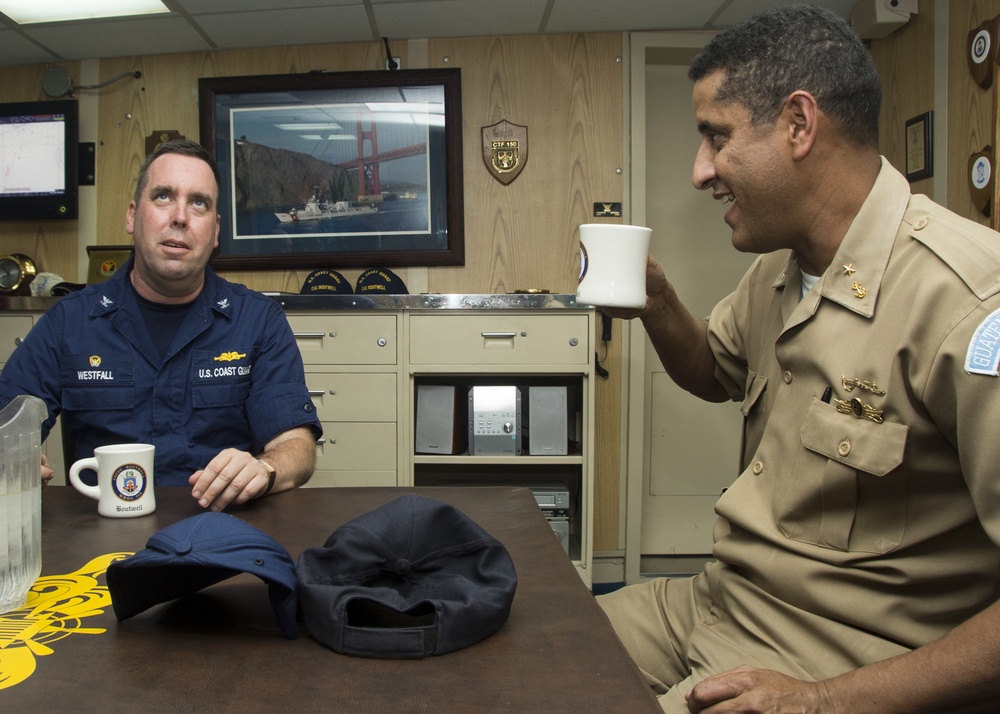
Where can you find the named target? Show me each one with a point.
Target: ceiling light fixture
(27, 12)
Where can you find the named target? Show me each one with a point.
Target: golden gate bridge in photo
(369, 157)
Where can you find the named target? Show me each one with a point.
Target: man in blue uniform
(169, 353)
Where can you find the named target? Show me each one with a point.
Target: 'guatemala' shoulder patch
(983, 356)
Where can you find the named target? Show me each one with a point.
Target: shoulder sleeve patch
(983, 356)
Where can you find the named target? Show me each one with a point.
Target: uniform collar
(854, 277)
(216, 295)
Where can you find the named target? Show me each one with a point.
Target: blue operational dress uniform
(232, 376)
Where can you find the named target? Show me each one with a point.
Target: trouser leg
(654, 621)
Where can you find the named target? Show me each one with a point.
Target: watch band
(271, 474)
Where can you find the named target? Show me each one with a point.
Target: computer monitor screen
(38, 160)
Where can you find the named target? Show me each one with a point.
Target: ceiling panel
(593, 15)
(457, 18)
(15, 49)
(118, 38)
(214, 7)
(741, 10)
(221, 24)
(302, 26)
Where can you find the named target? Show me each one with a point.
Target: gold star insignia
(849, 269)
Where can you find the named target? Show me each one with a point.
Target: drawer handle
(507, 335)
(313, 335)
(317, 392)
(323, 440)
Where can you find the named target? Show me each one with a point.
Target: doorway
(682, 451)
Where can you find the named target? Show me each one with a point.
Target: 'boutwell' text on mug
(613, 265)
(124, 479)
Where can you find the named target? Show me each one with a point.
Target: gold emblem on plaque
(161, 137)
(505, 150)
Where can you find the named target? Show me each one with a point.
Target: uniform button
(788, 377)
(758, 468)
(920, 224)
(844, 447)
(308, 407)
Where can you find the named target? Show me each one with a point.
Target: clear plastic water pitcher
(20, 499)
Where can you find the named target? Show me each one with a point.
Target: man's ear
(801, 115)
(130, 218)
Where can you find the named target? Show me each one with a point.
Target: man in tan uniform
(857, 561)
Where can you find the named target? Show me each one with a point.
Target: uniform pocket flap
(859, 443)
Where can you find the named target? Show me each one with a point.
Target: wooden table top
(221, 649)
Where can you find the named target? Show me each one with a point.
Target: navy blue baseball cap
(380, 281)
(413, 578)
(200, 551)
(326, 282)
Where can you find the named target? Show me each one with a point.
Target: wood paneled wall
(905, 62)
(971, 112)
(567, 89)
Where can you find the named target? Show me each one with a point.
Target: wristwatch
(271, 474)
(16, 273)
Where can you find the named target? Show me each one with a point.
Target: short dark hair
(185, 147)
(796, 47)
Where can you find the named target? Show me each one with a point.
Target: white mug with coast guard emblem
(124, 479)
(613, 265)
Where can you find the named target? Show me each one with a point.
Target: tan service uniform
(857, 530)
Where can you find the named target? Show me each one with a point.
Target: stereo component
(440, 424)
(494, 420)
(548, 426)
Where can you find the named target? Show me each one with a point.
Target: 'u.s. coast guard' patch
(983, 356)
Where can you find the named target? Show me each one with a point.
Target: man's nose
(180, 217)
(703, 173)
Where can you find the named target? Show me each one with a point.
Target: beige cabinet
(364, 368)
(14, 326)
(526, 350)
(352, 373)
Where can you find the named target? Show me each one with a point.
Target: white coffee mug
(613, 265)
(124, 479)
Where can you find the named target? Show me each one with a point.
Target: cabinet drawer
(353, 396)
(12, 329)
(500, 339)
(345, 339)
(357, 447)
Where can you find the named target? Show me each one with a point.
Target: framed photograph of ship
(333, 169)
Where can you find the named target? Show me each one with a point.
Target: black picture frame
(920, 147)
(311, 142)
